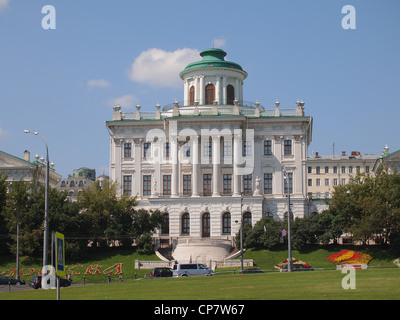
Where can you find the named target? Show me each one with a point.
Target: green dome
(212, 58)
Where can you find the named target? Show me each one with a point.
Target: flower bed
(294, 262)
(349, 257)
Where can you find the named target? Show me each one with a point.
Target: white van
(191, 269)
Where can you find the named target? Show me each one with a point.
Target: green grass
(380, 281)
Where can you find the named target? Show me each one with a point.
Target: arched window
(230, 94)
(165, 224)
(226, 223)
(191, 96)
(80, 183)
(72, 184)
(210, 93)
(186, 223)
(246, 218)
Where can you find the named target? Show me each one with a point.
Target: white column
(216, 160)
(175, 168)
(137, 157)
(224, 99)
(197, 90)
(237, 150)
(202, 96)
(237, 90)
(118, 162)
(186, 93)
(195, 166)
(218, 95)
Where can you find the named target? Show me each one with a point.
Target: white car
(191, 269)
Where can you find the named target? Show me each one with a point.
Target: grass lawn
(380, 281)
(376, 283)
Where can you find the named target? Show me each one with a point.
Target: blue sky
(64, 82)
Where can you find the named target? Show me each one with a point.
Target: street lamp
(46, 202)
(290, 265)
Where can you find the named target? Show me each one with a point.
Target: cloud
(127, 101)
(98, 83)
(3, 4)
(160, 68)
(219, 42)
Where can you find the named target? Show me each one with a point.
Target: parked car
(297, 267)
(191, 269)
(11, 280)
(161, 272)
(36, 282)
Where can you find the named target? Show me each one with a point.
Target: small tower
(213, 80)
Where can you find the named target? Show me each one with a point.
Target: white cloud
(161, 68)
(3, 4)
(127, 101)
(219, 42)
(98, 83)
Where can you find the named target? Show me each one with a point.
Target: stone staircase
(201, 250)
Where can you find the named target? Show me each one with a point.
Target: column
(175, 167)
(237, 153)
(216, 160)
(202, 95)
(118, 142)
(195, 166)
(186, 92)
(137, 156)
(218, 90)
(224, 99)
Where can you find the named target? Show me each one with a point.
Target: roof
(212, 58)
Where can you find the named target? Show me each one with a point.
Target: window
(343, 169)
(267, 147)
(226, 223)
(187, 184)
(309, 170)
(166, 150)
(318, 182)
(207, 184)
(165, 224)
(358, 169)
(80, 184)
(191, 96)
(343, 181)
(335, 169)
(326, 169)
(146, 149)
(246, 218)
(227, 184)
(207, 148)
(247, 148)
(128, 150)
(310, 182)
(350, 169)
(230, 94)
(63, 184)
(72, 184)
(318, 170)
(326, 182)
(128, 185)
(167, 185)
(290, 176)
(186, 223)
(267, 183)
(247, 183)
(147, 185)
(287, 147)
(186, 149)
(210, 93)
(227, 148)
(335, 182)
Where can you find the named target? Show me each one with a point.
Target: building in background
(24, 169)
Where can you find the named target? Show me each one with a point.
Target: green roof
(212, 58)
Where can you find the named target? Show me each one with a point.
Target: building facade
(212, 161)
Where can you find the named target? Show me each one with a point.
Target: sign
(284, 233)
(59, 245)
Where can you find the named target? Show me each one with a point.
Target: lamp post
(46, 202)
(290, 265)
(241, 233)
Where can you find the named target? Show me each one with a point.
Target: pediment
(8, 161)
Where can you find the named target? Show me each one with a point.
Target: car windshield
(202, 266)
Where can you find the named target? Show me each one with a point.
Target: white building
(212, 159)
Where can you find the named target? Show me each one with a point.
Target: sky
(62, 70)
